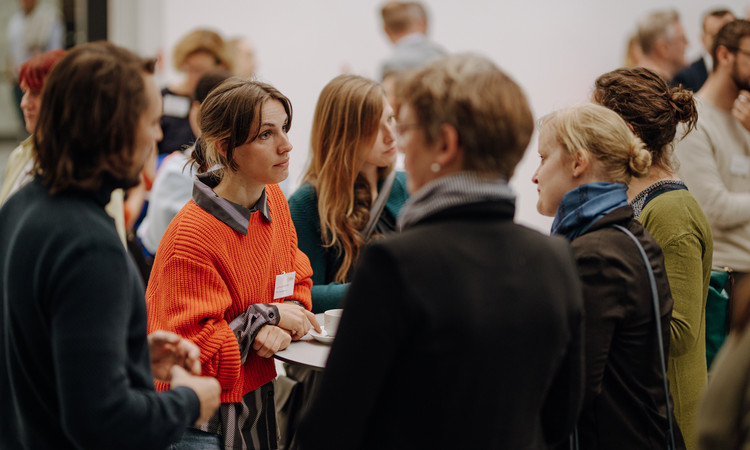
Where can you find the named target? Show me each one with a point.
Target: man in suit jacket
(693, 76)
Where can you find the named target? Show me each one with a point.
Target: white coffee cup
(331, 321)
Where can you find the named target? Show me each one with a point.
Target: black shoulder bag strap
(379, 205)
(574, 442)
(657, 319)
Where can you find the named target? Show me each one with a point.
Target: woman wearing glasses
(461, 289)
(336, 211)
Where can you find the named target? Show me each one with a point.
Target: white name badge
(284, 285)
(176, 106)
(740, 165)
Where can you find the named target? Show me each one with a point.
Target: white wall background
(553, 49)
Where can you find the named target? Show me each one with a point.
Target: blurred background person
(243, 57)
(693, 76)
(405, 25)
(452, 288)
(173, 184)
(19, 170)
(673, 217)
(714, 161)
(588, 157)
(84, 378)
(31, 77)
(663, 42)
(34, 29)
(228, 274)
(197, 53)
(633, 51)
(353, 153)
(724, 415)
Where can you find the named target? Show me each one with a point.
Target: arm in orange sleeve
(193, 299)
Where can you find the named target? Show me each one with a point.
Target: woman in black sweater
(464, 331)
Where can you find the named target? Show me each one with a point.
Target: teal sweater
(303, 204)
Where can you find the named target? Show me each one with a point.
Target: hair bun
(198, 157)
(684, 105)
(640, 158)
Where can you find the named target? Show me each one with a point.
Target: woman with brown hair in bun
(228, 274)
(671, 214)
(588, 158)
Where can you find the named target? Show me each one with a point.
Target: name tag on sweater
(740, 165)
(284, 285)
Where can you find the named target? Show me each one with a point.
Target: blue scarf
(584, 205)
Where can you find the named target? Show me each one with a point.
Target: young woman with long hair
(353, 144)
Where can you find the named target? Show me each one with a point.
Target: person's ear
(221, 147)
(723, 55)
(447, 146)
(580, 163)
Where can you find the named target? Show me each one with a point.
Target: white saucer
(321, 337)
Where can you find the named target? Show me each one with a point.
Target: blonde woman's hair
(601, 133)
(345, 126)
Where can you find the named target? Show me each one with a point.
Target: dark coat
(624, 403)
(693, 76)
(464, 331)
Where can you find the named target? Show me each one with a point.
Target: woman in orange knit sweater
(228, 274)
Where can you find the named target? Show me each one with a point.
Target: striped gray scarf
(452, 190)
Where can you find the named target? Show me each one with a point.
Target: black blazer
(464, 331)
(693, 76)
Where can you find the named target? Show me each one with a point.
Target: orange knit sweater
(205, 274)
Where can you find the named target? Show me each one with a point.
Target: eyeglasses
(403, 128)
(744, 52)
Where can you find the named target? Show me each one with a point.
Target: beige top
(715, 165)
(17, 171)
(724, 413)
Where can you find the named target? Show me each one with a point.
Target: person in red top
(228, 274)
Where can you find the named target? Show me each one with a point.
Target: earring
(435, 167)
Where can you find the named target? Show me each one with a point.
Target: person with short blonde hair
(461, 281)
(588, 156)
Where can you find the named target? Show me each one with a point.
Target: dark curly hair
(650, 106)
